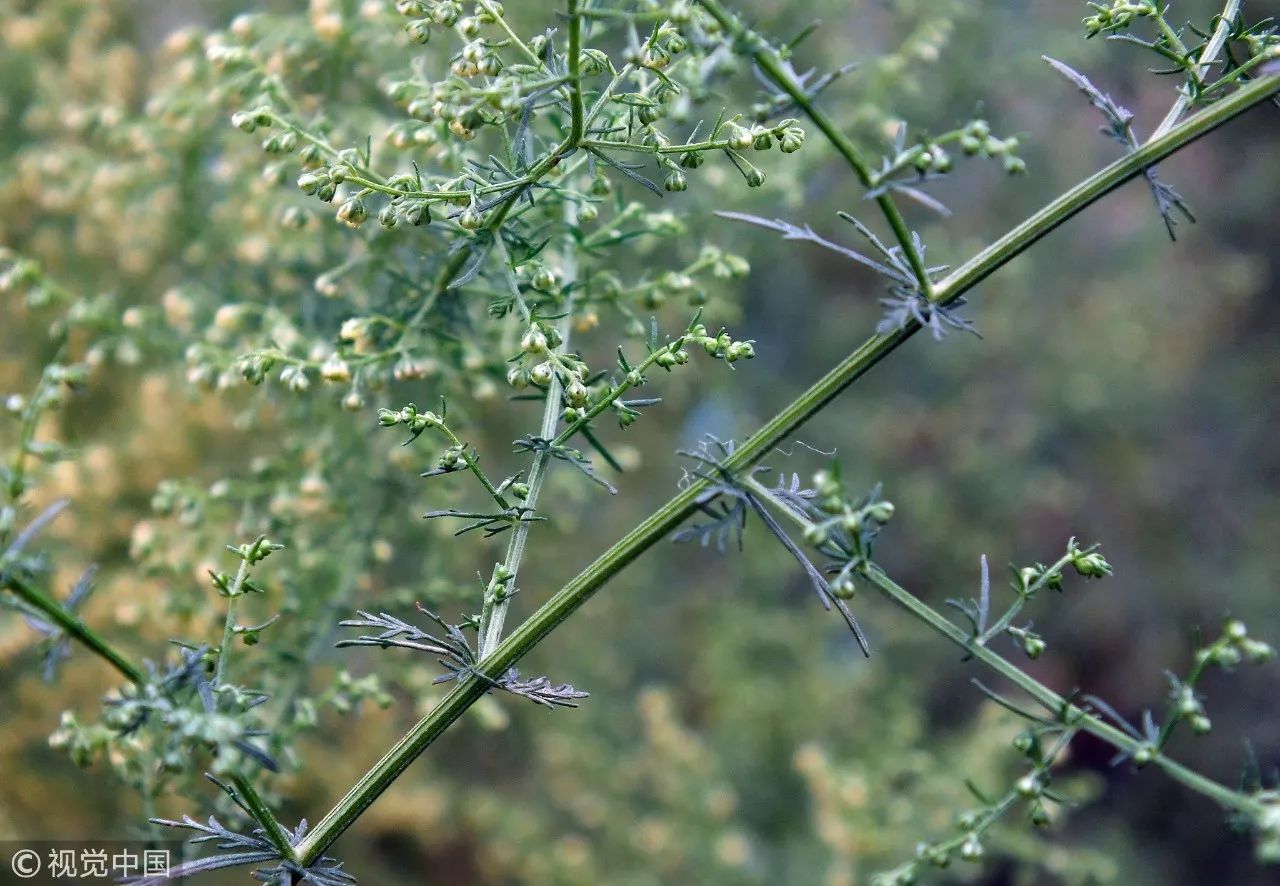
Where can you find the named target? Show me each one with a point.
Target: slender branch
(263, 815)
(495, 610)
(576, 104)
(659, 524)
(1024, 595)
(1069, 713)
(73, 627)
(1207, 58)
(229, 624)
(771, 65)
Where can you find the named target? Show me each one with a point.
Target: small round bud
(542, 374)
(310, 182)
(792, 139)
(971, 849)
(675, 181)
(520, 490)
(353, 212)
(1028, 786)
(543, 279)
(881, 511)
(576, 393)
(755, 177)
(534, 341)
(419, 30)
(692, 159)
(517, 378)
(739, 137)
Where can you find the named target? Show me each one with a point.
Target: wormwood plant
(486, 230)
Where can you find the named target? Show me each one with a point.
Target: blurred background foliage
(1122, 392)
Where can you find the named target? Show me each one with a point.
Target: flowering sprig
(911, 166)
(1043, 746)
(1065, 716)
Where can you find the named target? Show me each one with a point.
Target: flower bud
(534, 341)
(1028, 786)
(576, 393)
(419, 30)
(310, 182)
(543, 279)
(739, 138)
(675, 181)
(792, 139)
(353, 212)
(542, 374)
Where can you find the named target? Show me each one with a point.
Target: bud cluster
(1119, 15)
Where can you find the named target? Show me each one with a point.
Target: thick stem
(658, 525)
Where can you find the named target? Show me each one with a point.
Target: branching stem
(663, 521)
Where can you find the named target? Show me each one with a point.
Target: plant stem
(495, 611)
(1068, 713)
(229, 624)
(73, 627)
(1210, 54)
(771, 65)
(263, 815)
(1024, 595)
(576, 105)
(659, 524)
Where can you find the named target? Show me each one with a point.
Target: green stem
(576, 104)
(263, 815)
(770, 64)
(1024, 595)
(73, 627)
(229, 624)
(659, 524)
(1068, 713)
(495, 610)
(1211, 50)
